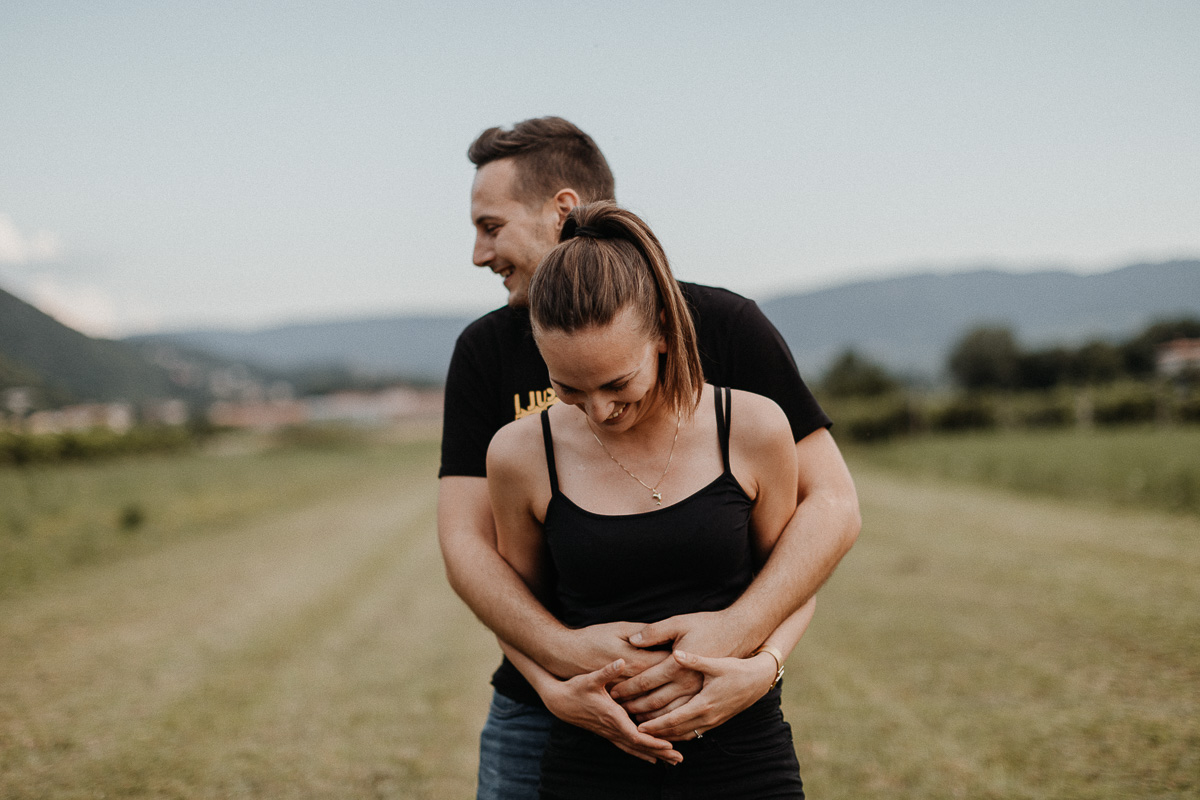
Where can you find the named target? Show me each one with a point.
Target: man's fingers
(656, 633)
(701, 664)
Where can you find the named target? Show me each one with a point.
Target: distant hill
(64, 365)
(413, 347)
(910, 323)
(906, 323)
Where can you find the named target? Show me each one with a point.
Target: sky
(169, 166)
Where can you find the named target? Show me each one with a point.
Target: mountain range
(907, 324)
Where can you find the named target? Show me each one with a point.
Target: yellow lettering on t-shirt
(538, 402)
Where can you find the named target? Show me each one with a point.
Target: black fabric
(694, 555)
(497, 375)
(750, 756)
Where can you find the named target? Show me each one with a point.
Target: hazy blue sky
(168, 165)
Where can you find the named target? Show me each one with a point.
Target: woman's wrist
(776, 657)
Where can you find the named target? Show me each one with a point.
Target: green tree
(1097, 362)
(852, 375)
(986, 358)
(1043, 369)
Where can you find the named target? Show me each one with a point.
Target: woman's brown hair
(608, 259)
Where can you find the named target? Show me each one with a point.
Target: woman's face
(608, 372)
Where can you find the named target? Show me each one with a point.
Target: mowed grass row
(54, 518)
(981, 644)
(976, 643)
(1152, 466)
(312, 650)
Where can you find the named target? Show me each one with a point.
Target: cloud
(21, 248)
(87, 309)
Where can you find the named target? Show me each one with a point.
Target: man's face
(511, 237)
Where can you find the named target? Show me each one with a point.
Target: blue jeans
(510, 750)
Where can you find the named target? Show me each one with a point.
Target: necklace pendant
(657, 498)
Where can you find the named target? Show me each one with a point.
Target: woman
(661, 498)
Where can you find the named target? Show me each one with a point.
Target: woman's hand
(731, 685)
(666, 686)
(584, 701)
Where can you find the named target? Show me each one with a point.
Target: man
(527, 180)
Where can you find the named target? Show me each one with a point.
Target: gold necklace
(654, 492)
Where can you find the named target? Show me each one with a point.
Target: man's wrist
(561, 652)
(743, 625)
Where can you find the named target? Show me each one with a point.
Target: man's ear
(564, 201)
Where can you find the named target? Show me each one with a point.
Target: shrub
(1125, 404)
(965, 412)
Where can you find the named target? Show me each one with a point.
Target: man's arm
(499, 597)
(823, 529)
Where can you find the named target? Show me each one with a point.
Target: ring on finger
(699, 735)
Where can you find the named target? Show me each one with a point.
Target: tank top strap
(724, 411)
(548, 441)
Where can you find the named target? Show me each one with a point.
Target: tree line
(990, 358)
(998, 383)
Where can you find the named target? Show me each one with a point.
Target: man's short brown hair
(550, 154)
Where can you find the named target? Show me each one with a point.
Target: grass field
(1154, 467)
(55, 517)
(302, 643)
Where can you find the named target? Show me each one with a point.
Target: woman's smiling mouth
(617, 413)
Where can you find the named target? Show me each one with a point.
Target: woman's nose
(599, 410)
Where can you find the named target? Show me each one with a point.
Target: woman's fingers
(731, 685)
(682, 723)
(647, 681)
(667, 709)
(684, 684)
(606, 674)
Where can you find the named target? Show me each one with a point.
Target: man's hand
(584, 701)
(596, 646)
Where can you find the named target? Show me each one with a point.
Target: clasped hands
(642, 697)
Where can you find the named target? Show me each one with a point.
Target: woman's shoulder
(512, 446)
(755, 418)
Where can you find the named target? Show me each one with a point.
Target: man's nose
(483, 252)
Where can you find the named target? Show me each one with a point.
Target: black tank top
(694, 555)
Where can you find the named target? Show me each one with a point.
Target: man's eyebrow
(482, 218)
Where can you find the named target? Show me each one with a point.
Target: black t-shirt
(497, 375)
